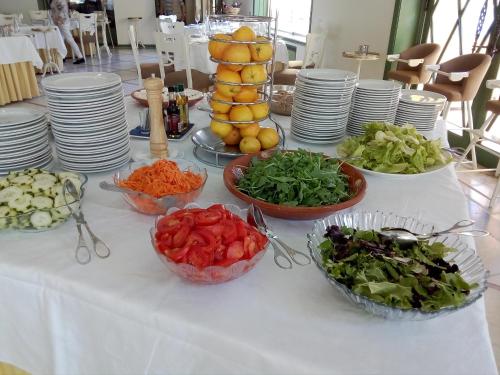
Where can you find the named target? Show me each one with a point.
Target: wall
(349, 23)
(18, 6)
(134, 8)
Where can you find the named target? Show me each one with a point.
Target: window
(293, 19)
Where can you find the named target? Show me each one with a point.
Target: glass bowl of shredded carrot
(162, 184)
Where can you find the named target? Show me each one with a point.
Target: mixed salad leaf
(393, 149)
(378, 268)
(298, 178)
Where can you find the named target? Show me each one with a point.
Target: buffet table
(129, 314)
(17, 74)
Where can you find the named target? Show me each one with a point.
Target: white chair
(313, 54)
(135, 51)
(39, 17)
(174, 47)
(163, 23)
(102, 20)
(477, 136)
(88, 24)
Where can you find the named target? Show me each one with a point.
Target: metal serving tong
(82, 251)
(256, 219)
(403, 235)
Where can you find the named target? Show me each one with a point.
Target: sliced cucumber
(57, 215)
(65, 175)
(42, 202)
(43, 185)
(12, 175)
(4, 211)
(25, 188)
(41, 219)
(57, 189)
(4, 182)
(32, 171)
(45, 176)
(22, 203)
(61, 205)
(22, 180)
(9, 193)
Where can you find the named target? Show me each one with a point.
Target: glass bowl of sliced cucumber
(33, 200)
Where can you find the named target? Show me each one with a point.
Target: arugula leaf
(298, 178)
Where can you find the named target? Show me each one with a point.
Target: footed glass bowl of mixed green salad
(416, 281)
(33, 200)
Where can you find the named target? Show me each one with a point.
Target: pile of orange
(249, 136)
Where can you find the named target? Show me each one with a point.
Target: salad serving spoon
(255, 217)
(403, 235)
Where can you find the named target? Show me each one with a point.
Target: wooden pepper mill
(158, 137)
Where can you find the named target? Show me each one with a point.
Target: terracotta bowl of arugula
(295, 184)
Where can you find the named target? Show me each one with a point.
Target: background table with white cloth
(18, 57)
(129, 314)
(200, 57)
(55, 43)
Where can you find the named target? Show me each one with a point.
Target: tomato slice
(225, 262)
(179, 238)
(216, 229)
(195, 238)
(177, 254)
(250, 246)
(220, 253)
(199, 257)
(188, 219)
(210, 240)
(230, 233)
(207, 218)
(235, 250)
(241, 229)
(168, 224)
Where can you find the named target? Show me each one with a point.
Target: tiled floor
(122, 63)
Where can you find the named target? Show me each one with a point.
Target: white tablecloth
(54, 39)
(200, 57)
(14, 49)
(130, 315)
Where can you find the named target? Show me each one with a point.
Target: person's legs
(66, 33)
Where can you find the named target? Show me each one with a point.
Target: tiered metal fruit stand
(209, 148)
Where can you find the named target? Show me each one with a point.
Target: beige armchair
(411, 64)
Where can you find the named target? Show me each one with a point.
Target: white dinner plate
(81, 81)
(12, 117)
(378, 85)
(327, 74)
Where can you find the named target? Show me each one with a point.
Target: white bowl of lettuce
(387, 149)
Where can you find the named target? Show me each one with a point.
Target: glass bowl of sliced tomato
(208, 245)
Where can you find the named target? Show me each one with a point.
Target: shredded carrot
(162, 178)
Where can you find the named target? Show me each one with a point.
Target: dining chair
(172, 49)
(88, 34)
(163, 23)
(459, 80)
(313, 57)
(102, 20)
(313, 54)
(411, 64)
(39, 17)
(478, 136)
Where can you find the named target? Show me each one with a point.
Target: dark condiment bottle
(182, 103)
(172, 112)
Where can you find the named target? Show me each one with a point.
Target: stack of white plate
(87, 115)
(419, 108)
(321, 105)
(24, 139)
(373, 101)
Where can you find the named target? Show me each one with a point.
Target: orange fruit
(261, 51)
(228, 76)
(244, 34)
(233, 138)
(240, 113)
(221, 68)
(219, 107)
(247, 95)
(249, 145)
(236, 53)
(251, 130)
(259, 110)
(221, 129)
(216, 48)
(253, 74)
(268, 138)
